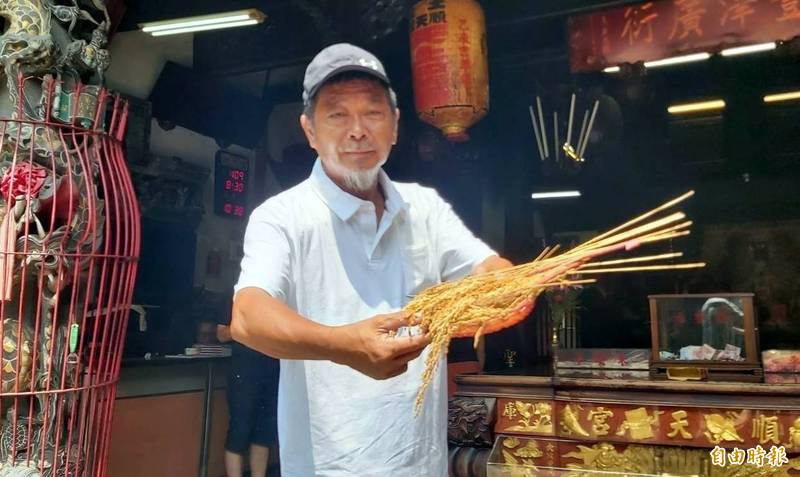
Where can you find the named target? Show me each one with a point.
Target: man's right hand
(371, 347)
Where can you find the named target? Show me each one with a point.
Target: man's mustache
(354, 150)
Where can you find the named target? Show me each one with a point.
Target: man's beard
(357, 180)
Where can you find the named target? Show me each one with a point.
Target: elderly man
(328, 264)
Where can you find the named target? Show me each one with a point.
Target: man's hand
(491, 264)
(371, 347)
(224, 334)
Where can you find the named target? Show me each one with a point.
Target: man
(327, 265)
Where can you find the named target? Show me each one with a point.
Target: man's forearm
(265, 324)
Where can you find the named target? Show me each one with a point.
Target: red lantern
(449, 65)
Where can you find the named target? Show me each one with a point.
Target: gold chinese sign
(706, 427)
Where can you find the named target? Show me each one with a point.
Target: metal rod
(589, 129)
(583, 130)
(541, 122)
(571, 114)
(555, 136)
(536, 132)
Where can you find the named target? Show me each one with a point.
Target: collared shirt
(322, 252)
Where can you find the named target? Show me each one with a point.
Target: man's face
(353, 131)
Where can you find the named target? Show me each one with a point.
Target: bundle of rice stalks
(489, 302)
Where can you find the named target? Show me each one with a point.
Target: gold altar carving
(722, 428)
(570, 424)
(533, 417)
(510, 442)
(603, 456)
(522, 458)
(679, 424)
(529, 451)
(599, 419)
(639, 423)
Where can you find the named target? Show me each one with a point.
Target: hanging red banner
(666, 28)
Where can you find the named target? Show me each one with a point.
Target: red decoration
(698, 317)
(680, 318)
(722, 316)
(657, 30)
(23, 179)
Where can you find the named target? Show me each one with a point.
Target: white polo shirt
(320, 250)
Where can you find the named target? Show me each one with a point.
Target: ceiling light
(611, 69)
(789, 96)
(215, 21)
(676, 60)
(743, 50)
(696, 107)
(561, 194)
(217, 26)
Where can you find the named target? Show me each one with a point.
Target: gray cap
(337, 59)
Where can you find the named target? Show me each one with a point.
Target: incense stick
(679, 266)
(569, 283)
(646, 258)
(638, 219)
(659, 237)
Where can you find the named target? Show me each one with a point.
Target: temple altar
(632, 425)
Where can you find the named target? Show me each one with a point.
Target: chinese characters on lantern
(435, 15)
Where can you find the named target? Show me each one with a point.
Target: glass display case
(513, 456)
(697, 337)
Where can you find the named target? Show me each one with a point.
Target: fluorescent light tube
(611, 69)
(676, 60)
(743, 50)
(217, 26)
(561, 194)
(204, 22)
(788, 96)
(696, 107)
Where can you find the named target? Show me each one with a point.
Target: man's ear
(396, 125)
(308, 128)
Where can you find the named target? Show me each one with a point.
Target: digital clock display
(230, 185)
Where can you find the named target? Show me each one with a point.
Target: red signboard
(665, 28)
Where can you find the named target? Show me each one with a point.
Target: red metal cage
(69, 244)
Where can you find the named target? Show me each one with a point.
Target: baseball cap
(336, 59)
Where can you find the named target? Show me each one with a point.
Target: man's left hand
(491, 264)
